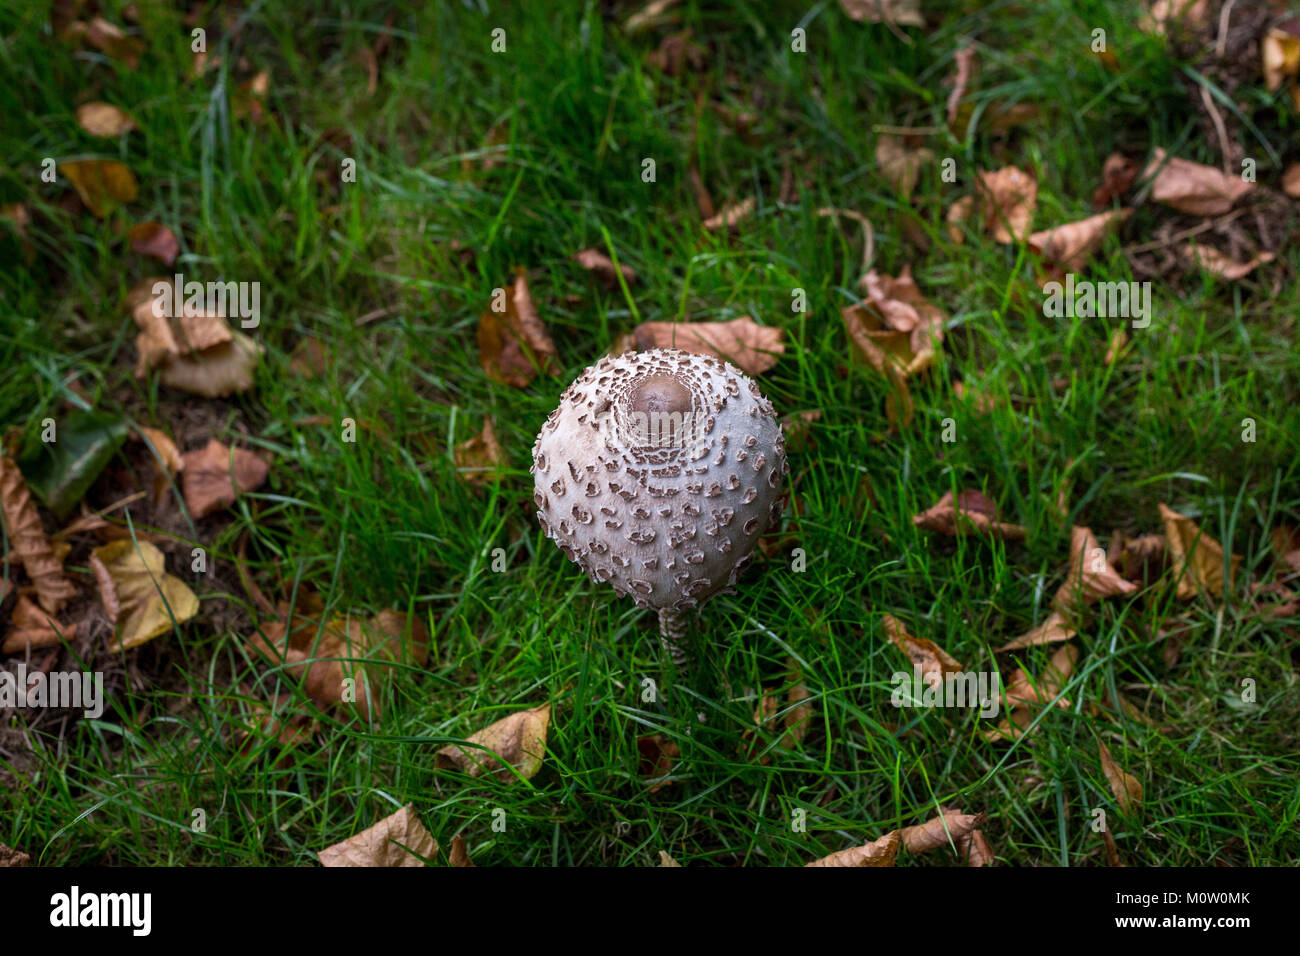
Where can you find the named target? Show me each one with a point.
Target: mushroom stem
(672, 633)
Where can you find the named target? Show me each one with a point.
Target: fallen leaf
(155, 240)
(1008, 198)
(965, 63)
(250, 96)
(602, 267)
(1117, 175)
(677, 53)
(881, 852)
(1189, 15)
(1191, 187)
(1291, 181)
(28, 542)
(32, 628)
(731, 215)
(104, 119)
(112, 41)
(168, 462)
(966, 512)
(1216, 263)
(107, 589)
(1024, 690)
(1052, 631)
(899, 165)
(957, 214)
(902, 308)
(657, 756)
(215, 372)
(1280, 54)
(102, 184)
(751, 347)
(513, 345)
(1072, 244)
(975, 849)
(1125, 786)
(1286, 545)
(458, 855)
(518, 740)
(656, 14)
(148, 598)
(213, 477)
(397, 840)
(9, 857)
(666, 860)
(1197, 558)
(60, 472)
(703, 201)
(932, 659)
(906, 13)
(943, 830)
(480, 460)
(1112, 849)
(799, 713)
(1091, 577)
(1115, 348)
(310, 359)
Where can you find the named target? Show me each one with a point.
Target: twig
(1218, 128)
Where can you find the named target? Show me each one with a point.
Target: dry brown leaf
(167, 460)
(944, 830)
(110, 40)
(676, 54)
(965, 62)
(104, 119)
(1291, 181)
(603, 268)
(519, 740)
(1142, 556)
(751, 347)
(666, 860)
(397, 840)
(148, 598)
(1193, 188)
(957, 214)
(880, 852)
(902, 308)
(1090, 578)
(731, 215)
(1117, 175)
(215, 372)
(480, 460)
(107, 589)
(969, 511)
(899, 164)
(1280, 55)
(33, 628)
(1008, 198)
(1197, 558)
(1167, 15)
(1052, 631)
(932, 659)
(102, 184)
(155, 240)
(213, 477)
(1125, 786)
(1286, 545)
(514, 345)
(906, 13)
(1072, 244)
(1022, 690)
(27, 540)
(1112, 849)
(703, 201)
(1115, 348)
(1225, 267)
(799, 713)
(658, 754)
(976, 850)
(658, 13)
(458, 855)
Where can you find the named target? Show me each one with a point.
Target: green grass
(387, 522)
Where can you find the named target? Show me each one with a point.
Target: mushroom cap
(658, 472)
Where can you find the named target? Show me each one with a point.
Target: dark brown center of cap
(660, 394)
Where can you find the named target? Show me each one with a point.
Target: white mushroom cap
(658, 472)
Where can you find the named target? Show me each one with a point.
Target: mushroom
(656, 474)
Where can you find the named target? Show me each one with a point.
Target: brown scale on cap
(640, 446)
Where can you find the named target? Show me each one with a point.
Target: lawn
(380, 170)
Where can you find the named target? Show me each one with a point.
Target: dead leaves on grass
(513, 344)
(1126, 787)
(1007, 200)
(967, 512)
(102, 184)
(1197, 558)
(951, 828)
(751, 347)
(104, 120)
(138, 594)
(480, 460)
(932, 660)
(517, 741)
(1192, 187)
(397, 840)
(213, 477)
(28, 541)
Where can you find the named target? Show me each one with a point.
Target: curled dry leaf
(1280, 55)
(947, 829)
(213, 477)
(1142, 559)
(657, 754)
(880, 852)
(1117, 175)
(1090, 578)
(966, 512)
(168, 461)
(899, 164)
(104, 119)
(1197, 558)
(397, 840)
(976, 850)
(931, 659)
(155, 240)
(1053, 630)
(957, 214)
(903, 308)
(603, 268)
(1008, 198)
(480, 459)
(731, 215)
(102, 184)
(906, 13)
(518, 740)
(1072, 244)
(458, 855)
(666, 860)
(1024, 697)
(149, 600)
(1285, 540)
(513, 344)
(1191, 187)
(194, 350)
(1216, 263)
(751, 347)
(1291, 181)
(107, 589)
(28, 541)
(965, 62)
(32, 628)
(1125, 786)
(113, 42)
